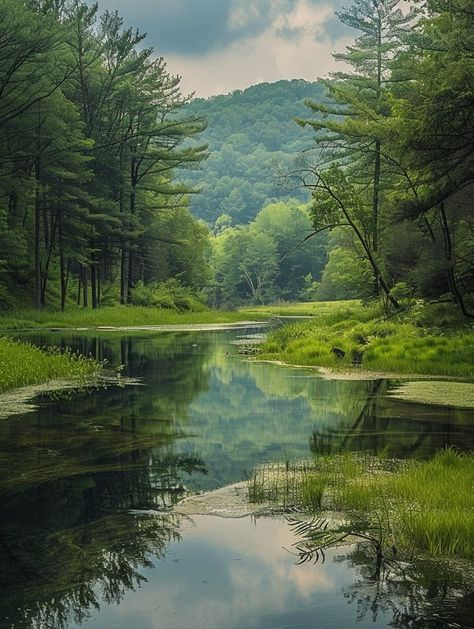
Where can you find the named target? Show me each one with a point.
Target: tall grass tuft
(23, 364)
(425, 506)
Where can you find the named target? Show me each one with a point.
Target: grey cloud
(176, 26)
(333, 29)
(196, 27)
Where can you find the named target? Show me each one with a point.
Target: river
(88, 479)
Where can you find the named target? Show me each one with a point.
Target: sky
(218, 46)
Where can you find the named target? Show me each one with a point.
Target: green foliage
(170, 294)
(250, 133)
(267, 259)
(397, 140)
(92, 136)
(345, 276)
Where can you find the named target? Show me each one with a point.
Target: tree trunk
(85, 291)
(94, 286)
(38, 236)
(451, 276)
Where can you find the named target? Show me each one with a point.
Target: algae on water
(440, 393)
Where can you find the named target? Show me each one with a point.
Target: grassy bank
(413, 508)
(414, 344)
(22, 364)
(304, 309)
(117, 316)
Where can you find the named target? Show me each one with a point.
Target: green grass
(389, 346)
(422, 506)
(304, 309)
(22, 364)
(116, 316)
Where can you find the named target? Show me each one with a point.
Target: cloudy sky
(221, 45)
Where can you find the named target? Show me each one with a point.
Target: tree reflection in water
(425, 594)
(75, 493)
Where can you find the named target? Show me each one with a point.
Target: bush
(171, 295)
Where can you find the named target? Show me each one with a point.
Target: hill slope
(248, 132)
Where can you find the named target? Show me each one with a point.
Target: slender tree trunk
(451, 276)
(94, 286)
(62, 270)
(38, 236)
(79, 286)
(99, 286)
(85, 288)
(48, 260)
(376, 197)
(124, 275)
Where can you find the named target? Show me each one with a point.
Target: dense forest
(103, 159)
(92, 135)
(392, 176)
(251, 135)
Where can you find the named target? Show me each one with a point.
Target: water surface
(80, 474)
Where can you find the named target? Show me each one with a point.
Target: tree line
(392, 173)
(92, 137)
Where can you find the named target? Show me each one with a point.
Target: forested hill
(248, 132)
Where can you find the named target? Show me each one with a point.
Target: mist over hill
(248, 133)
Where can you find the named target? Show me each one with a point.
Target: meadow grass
(119, 316)
(23, 364)
(386, 346)
(423, 506)
(304, 309)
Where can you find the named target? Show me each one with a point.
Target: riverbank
(355, 337)
(119, 317)
(23, 365)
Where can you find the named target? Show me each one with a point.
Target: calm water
(78, 475)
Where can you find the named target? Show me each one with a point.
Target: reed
(425, 506)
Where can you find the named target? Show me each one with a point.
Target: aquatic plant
(412, 504)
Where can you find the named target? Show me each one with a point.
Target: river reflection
(86, 483)
(236, 413)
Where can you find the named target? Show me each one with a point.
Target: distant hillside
(249, 131)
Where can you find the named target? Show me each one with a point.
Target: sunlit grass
(422, 506)
(118, 316)
(387, 346)
(22, 364)
(304, 309)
